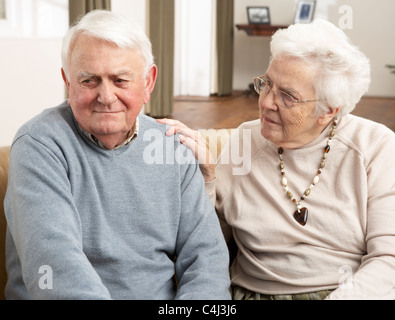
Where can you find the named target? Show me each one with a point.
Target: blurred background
(197, 46)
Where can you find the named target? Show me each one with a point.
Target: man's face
(107, 88)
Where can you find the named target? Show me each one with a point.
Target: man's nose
(107, 93)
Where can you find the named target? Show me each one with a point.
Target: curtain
(161, 33)
(225, 46)
(78, 8)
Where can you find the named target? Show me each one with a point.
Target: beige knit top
(348, 242)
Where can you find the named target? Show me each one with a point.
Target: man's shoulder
(151, 131)
(147, 123)
(50, 124)
(160, 148)
(46, 121)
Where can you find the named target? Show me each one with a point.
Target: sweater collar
(133, 133)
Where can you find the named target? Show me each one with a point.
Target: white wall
(30, 81)
(30, 63)
(373, 30)
(251, 53)
(135, 9)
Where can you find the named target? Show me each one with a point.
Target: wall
(30, 63)
(373, 30)
(135, 9)
(30, 78)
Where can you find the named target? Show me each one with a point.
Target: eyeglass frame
(264, 79)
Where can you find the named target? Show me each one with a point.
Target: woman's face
(299, 125)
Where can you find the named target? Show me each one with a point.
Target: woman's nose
(268, 101)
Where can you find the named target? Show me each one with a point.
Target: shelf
(259, 29)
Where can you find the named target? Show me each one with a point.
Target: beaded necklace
(301, 213)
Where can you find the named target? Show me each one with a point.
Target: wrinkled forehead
(291, 73)
(96, 57)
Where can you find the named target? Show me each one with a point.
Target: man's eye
(89, 82)
(121, 82)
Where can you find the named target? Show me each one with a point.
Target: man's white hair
(343, 71)
(111, 27)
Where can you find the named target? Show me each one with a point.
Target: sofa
(4, 160)
(215, 139)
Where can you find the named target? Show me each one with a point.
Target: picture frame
(304, 11)
(258, 15)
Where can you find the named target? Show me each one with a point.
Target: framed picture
(258, 15)
(304, 11)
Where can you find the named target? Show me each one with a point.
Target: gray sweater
(88, 223)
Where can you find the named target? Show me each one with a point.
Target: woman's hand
(193, 140)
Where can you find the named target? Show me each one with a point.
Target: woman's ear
(150, 80)
(327, 117)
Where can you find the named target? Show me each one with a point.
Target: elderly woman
(314, 218)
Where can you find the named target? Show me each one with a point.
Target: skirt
(239, 293)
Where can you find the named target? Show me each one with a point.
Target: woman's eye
(288, 97)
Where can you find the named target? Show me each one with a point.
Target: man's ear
(67, 83)
(328, 116)
(150, 80)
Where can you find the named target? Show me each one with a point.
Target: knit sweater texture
(348, 242)
(88, 223)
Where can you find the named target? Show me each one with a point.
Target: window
(33, 18)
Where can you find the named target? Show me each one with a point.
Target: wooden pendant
(301, 216)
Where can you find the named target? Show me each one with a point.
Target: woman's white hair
(111, 27)
(343, 71)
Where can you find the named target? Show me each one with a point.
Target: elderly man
(90, 216)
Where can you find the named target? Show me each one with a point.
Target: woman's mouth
(267, 119)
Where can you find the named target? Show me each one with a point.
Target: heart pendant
(301, 216)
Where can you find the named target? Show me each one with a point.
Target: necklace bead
(301, 213)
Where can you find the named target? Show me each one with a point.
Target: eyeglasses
(263, 86)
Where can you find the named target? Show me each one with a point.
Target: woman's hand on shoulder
(193, 140)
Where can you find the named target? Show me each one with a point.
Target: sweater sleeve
(45, 229)
(375, 278)
(202, 265)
